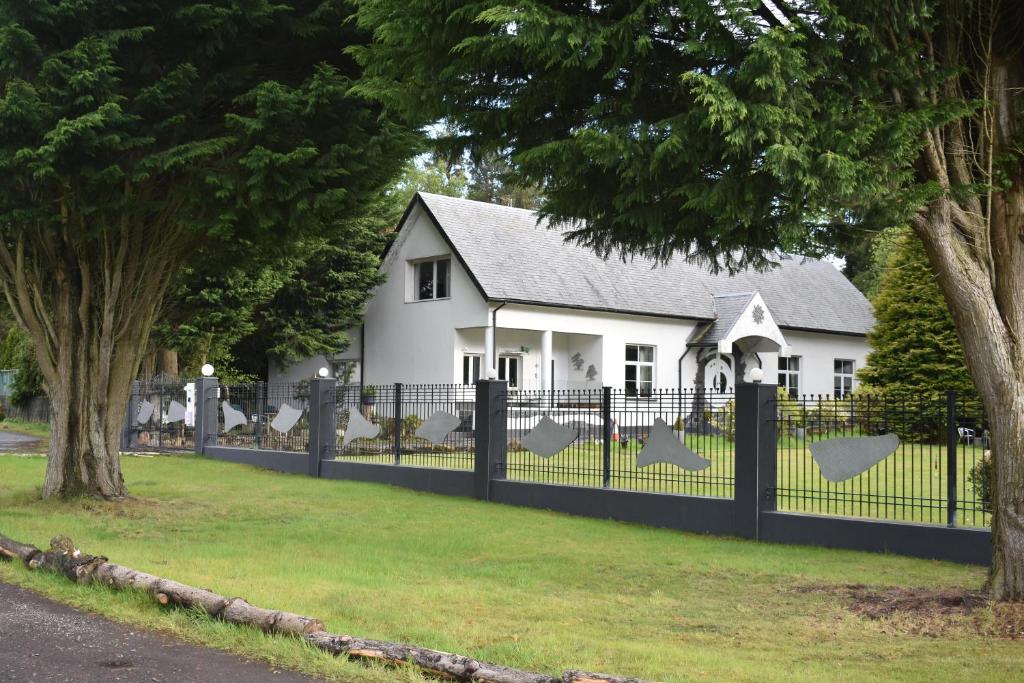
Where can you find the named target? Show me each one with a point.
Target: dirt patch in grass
(929, 612)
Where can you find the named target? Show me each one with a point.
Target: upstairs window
(843, 377)
(789, 375)
(433, 279)
(639, 370)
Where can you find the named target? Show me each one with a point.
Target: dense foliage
(914, 346)
(137, 135)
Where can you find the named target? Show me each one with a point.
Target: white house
(472, 285)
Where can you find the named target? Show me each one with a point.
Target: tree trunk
(167, 362)
(89, 304)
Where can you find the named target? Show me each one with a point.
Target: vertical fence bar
(952, 444)
(397, 422)
(606, 420)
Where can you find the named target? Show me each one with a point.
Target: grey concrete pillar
(207, 400)
(322, 401)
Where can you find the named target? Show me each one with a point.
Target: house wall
(413, 341)
(817, 353)
(615, 330)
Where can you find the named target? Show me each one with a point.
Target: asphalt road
(13, 442)
(42, 640)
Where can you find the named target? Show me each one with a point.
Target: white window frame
(503, 369)
(786, 373)
(842, 392)
(652, 364)
(414, 276)
(470, 357)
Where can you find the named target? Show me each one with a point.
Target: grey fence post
(322, 403)
(755, 456)
(131, 412)
(397, 423)
(490, 435)
(207, 394)
(952, 444)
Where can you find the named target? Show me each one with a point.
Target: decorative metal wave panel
(846, 457)
(663, 446)
(548, 438)
(437, 427)
(286, 418)
(175, 412)
(145, 413)
(232, 417)
(359, 428)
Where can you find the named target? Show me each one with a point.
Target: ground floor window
(471, 368)
(789, 375)
(508, 370)
(843, 377)
(639, 370)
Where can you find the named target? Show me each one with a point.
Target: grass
(521, 587)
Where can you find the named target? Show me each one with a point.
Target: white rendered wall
(817, 354)
(667, 335)
(413, 341)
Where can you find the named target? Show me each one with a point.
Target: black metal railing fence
(933, 476)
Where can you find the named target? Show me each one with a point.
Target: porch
(530, 360)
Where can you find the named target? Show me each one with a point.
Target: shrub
(982, 477)
(724, 419)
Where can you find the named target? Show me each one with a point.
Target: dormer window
(433, 279)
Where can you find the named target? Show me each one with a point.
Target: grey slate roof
(513, 258)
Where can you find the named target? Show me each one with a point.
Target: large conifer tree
(914, 346)
(133, 132)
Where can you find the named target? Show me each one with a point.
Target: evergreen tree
(136, 133)
(721, 131)
(914, 346)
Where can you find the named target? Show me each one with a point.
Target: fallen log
(572, 676)
(64, 558)
(431, 661)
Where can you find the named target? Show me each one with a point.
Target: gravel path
(43, 640)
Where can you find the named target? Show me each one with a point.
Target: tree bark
(977, 250)
(88, 300)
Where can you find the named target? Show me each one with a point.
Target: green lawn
(522, 587)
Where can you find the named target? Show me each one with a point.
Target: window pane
(646, 388)
(631, 352)
(646, 353)
(794, 363)
(630, 388)
(646, 373)
(425, 280)
(783, 364)
(443, 277)
(513, 372)
(782, 379)
(630, 373)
